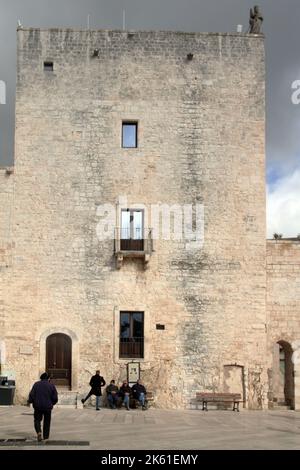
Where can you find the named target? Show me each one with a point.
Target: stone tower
(120, 122)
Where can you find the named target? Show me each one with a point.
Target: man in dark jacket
(125, 392)
(139, 393)
(43, 396)
(96, 382)
(112, 394)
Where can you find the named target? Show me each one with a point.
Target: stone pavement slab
(153, 429)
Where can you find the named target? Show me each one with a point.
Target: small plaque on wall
(26, 349)
(133, 372)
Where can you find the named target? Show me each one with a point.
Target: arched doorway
(59, 358)
(283, 379)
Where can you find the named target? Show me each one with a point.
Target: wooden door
(132, 230)
(58, 358)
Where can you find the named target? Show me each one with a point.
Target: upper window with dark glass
(131, 334)
(129, 134)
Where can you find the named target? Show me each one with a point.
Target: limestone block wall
(283, 307)
(6, 192)
(200, 140)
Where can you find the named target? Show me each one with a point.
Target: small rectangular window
(129, 134)
(131, 334)
(48, 66)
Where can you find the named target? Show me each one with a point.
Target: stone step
(280, 404)
(67, 398)
(281, 407)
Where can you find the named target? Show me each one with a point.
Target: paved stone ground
(156, 429)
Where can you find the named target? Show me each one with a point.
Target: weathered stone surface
(6, 193)
(201, 139)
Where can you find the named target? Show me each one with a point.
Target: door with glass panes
(132, 334)
(132, 230)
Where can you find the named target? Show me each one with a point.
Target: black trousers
(91, 392)
(38, 416)
(88, 396)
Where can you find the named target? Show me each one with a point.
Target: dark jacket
(137, 389)
(43, 395)
(124, 389)
(111, 388)
(96, 382)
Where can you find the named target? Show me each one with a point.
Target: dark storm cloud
(281, 27)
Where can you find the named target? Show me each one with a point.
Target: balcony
(131, 347)
(138, 246)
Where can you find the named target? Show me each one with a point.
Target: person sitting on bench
(124, 393)
(112, 394)
(139, 393)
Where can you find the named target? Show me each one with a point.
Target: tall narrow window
(129, 134)
(131, 334)
(132, 230)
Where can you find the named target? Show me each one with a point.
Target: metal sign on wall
(133, 372)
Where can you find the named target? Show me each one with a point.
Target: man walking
(43, 396)
(96, 382)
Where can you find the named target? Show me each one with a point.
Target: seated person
(112, 394)
(139, 393)
(124, 393)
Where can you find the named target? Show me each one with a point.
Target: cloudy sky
(282, 30)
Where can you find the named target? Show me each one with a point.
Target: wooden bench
(234, 398)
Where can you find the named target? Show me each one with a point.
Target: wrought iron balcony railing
(133, 244)
(132, 347)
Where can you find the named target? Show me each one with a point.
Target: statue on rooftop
(255, 21)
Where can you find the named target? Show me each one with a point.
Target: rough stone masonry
(198, 103)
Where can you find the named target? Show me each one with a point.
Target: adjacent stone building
(113, 128)
(283, 302)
